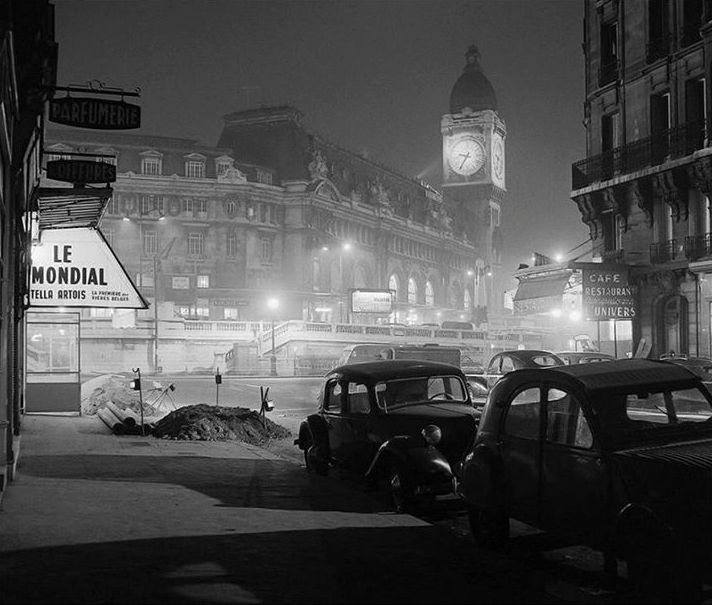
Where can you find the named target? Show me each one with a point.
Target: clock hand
(464, 156)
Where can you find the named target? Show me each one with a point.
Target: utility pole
(155, 313)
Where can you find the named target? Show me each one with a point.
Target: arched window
(393, 285)
(429, 294)
(468, 300)
(412, 291)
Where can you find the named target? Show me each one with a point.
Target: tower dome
(472, 88)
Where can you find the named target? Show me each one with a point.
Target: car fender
(413, 454)
(482, 483)
(637, 527)
(313, 431)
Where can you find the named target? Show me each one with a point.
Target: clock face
(498, 160)
(466, 156)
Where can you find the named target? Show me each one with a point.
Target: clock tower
(474, 178)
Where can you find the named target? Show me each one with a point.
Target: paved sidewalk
(98, 518)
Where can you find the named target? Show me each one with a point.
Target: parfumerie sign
(88, 112)
(371, 301)
(77, 268)
(607, 293)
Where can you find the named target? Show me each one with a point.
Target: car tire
(402, 498)
(315, 460)
(489, 528)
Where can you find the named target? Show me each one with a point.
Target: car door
(333, 416)
(520, 452)
(358, 449)
(574, 485)
(493, 373)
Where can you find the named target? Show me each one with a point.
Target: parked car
(508, 361)
(408, 423)
(616, 455)
(478, 389)
(574, 357)
(702, 366)
(357, 353)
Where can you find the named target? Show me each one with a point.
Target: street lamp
(345, 247)
(273, 304)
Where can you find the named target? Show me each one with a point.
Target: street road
(571, 573)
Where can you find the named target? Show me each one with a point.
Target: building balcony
(652, 151)
(698, 246)
(658, 48)
(664, 252)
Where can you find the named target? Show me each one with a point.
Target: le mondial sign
(76, 267)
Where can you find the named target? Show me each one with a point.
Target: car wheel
(402, 498)
(490, 529)
(315, 460)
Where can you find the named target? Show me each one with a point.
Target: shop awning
(541, 286)
(70, 207)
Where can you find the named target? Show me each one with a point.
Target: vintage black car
(508, 361)
(408, 423)
(615, 455)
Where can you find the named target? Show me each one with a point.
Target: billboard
(76, 267)
(366, 300)
(606, 292)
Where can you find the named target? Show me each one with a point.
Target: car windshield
(418, 390)
(545, 361)
(645, 415)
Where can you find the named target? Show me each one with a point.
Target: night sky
(371, 76)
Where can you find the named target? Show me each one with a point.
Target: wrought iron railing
(663, 252)
(690, 33)
(698, 246)
(643, 153)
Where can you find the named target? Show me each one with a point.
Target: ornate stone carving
(438, 216)
(379, 195)
(699, 174)
(616, 198)
(317, 167)
(668, 187)
(640, 193)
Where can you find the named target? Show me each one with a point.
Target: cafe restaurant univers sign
(607, 294)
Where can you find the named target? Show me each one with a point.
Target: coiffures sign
(81, 171)
(88, 112)
(606, 292)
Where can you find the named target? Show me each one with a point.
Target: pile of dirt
(203, 422)
(112, 387)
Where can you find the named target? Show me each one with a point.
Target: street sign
(88, 112)
(81, 171)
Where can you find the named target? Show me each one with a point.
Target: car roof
(373, 371)
(612, 375)
(585, 353)
(525, 353)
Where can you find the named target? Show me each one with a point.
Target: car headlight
(432, 434)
